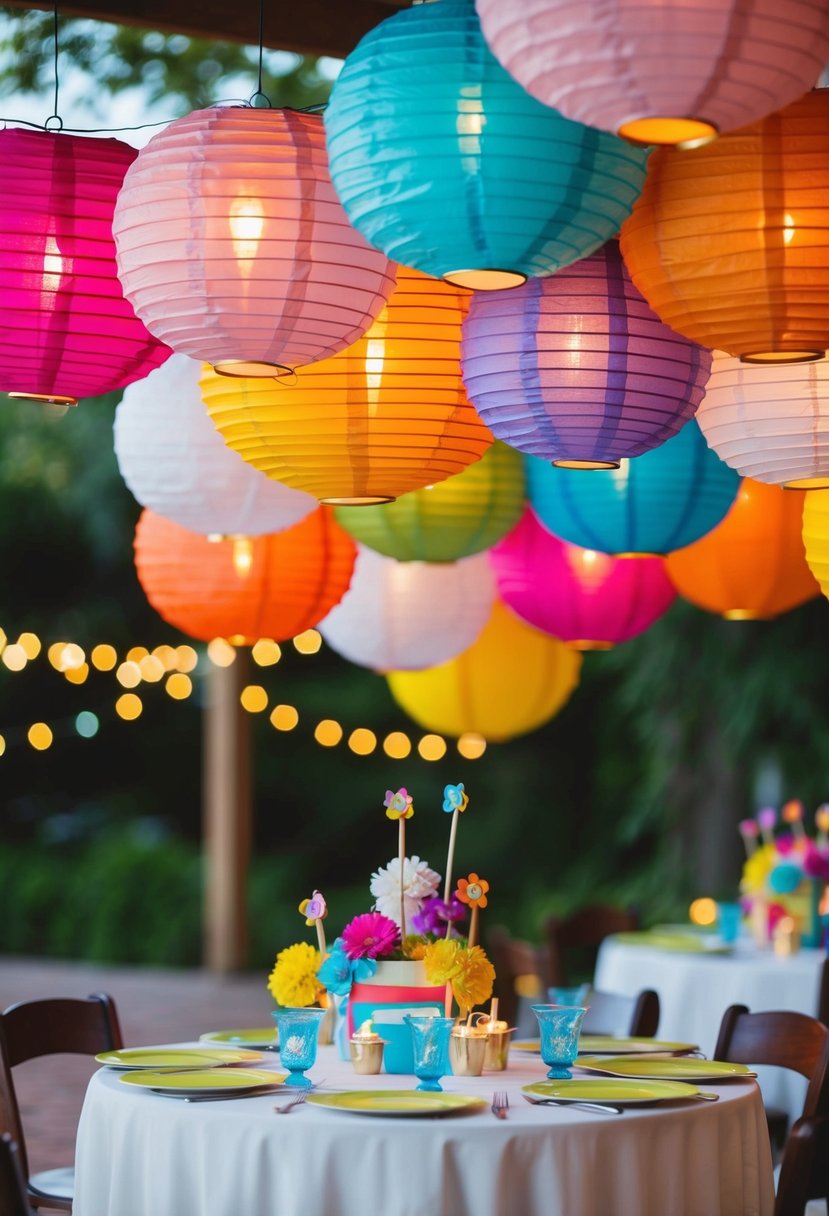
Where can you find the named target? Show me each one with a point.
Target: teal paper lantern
(447, 165)
(654, 503)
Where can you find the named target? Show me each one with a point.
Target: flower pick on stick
(315, 911)
(792, 814)
(472, 890)
(455, 802)
(767, 818)
(822, 823)
(399, 806)
(749, 832)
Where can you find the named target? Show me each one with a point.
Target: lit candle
(366, 1048)
(367, 1033)
(467, 1049)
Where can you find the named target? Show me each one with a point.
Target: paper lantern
(729, 243)
(816, 536)
(446, 164)
(410, 615)
(386, 416)
(652, 504)
(752, 566)
(175, 462)
(234, 249)
(589, 599)
(66, 330)
(673, 73)
(510, 681)
(464, 514)
(295, 578)
(577, 368)
(769, 423)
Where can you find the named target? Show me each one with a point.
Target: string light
(104, 657)
(328, 733)
(266, 652)
(471, 746)
(128, 674)
(136, 653)
(432, 747)
(151, 668)
(40, 736)
(284, 717)
(129, 706)
(178, 686)
(397, 746)
(254, 698)
(308, 642)
(30, 643)
(220, 652)
(87, 724)
(14, 657)
(186, 658)
(77, 675)
(362, 741)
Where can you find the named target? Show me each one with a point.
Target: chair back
(613, 1014)
(575, 939)
(823, 993)
(782, 1038)
(13, 1198)
(804, 1168)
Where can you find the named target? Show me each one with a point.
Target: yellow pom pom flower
(440, 959)
(293, 981)
(472, 984)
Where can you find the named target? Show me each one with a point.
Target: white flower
(419, 883)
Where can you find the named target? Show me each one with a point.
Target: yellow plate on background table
(677, 1068)
(398, 1102)
(263, 1036)
(205, 1081)
(600, 1044)
(621, 1093)
(177, 1057)
(683, 943)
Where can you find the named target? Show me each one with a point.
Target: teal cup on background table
(569, 996)
(729, 922)
(560, 1026)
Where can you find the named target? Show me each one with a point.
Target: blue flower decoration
(339, 972)
(454, 798)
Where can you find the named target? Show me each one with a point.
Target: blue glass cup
(298, 1030)
(729, 920)
(430, 1040)
(560, 1026)
(568, 996)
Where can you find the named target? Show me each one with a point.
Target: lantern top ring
(364, 500)
(683, 133)
(46, 398)
(57, 120)
(585, 464)
(782, 356)
(253, 368)
(485, 278)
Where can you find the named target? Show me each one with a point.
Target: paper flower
(455, 798)
(314, 909)
(472, 890)
(293, 981)
(435, 914)
(339, 972)
(399, 805)
(757, 868)
(441, 960)
(419, 883)
(472, 983)
(413, 947)
(370, 935)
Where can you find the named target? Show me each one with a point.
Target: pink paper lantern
(675, 72)
(234, 248)
(66, 330)
(586, 598)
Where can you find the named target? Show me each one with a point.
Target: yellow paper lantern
(816, 536)
(512, 680)
(386, 416)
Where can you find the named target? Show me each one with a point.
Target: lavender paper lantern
(577, 368)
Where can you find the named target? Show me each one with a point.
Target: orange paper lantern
(751, 566)
(289, 581)
(386, 416)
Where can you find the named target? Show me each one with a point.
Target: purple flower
(435, 913)
(370, 935)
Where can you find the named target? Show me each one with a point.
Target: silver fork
(296, 1100)
(500, 1104)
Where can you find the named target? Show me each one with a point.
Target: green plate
(178, 1057)
(601, 1089)
(264, 1036)
(208, 1080)
(600, 1044)
(397, 1102)
(682, 943)
(679, 1068)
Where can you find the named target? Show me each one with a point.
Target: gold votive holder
(497, 1049)
(366, 1054)
(467, 1053)
(786, 937)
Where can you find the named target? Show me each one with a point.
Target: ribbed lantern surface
(652, 504)
(577, 368)
(586, 598)
(410, 615)
(752, 566)
(668, 73)
(769, 423)
(386, 416)
(455, 518)
(66, 330)
(233, 246)
(729, 243)
(175, 462)
(816, 536)
(295, 578)
(446, 164)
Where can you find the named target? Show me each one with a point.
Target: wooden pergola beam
(314, 27)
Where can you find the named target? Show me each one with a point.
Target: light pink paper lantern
(674, 72)
(769, 422)
(586, 598)
(407, 616)
(234, 248)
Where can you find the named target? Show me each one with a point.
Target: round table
(141, 1154)
(695, 988)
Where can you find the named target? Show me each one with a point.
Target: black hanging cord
(259, 92)
(54, 117)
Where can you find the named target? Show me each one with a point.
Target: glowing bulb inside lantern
(788, 228)
(247, 222)
(242, 555)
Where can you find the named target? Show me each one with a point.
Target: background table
(140, 1154)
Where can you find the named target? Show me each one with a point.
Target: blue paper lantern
(446, 164)
(654, 503)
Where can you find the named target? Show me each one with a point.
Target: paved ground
(154, 1007)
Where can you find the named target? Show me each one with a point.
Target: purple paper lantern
(586, 598)
(66, 330)
(576, 368)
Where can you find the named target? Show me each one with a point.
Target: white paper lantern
(407, 616)
(175, 462)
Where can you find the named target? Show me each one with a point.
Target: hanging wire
(258, 92)
(55, 117)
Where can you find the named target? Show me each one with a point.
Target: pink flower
(370, 935)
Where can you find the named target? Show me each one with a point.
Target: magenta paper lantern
(66, 330)
(577, 369)
(234, 248)
(674, 72)
(586, 598)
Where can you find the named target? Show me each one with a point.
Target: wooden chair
(823, 994)
(612, 1014)
(49, 1027)
(575, 939)
(518, 975)
(13, 1198)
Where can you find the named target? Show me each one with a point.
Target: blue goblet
(568, 996)
(430, 1039)
(298, 1030)
(559, 1026)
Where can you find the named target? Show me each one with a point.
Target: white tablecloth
(139, 1154)
(696, 989)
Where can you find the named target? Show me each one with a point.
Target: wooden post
(226, 815)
